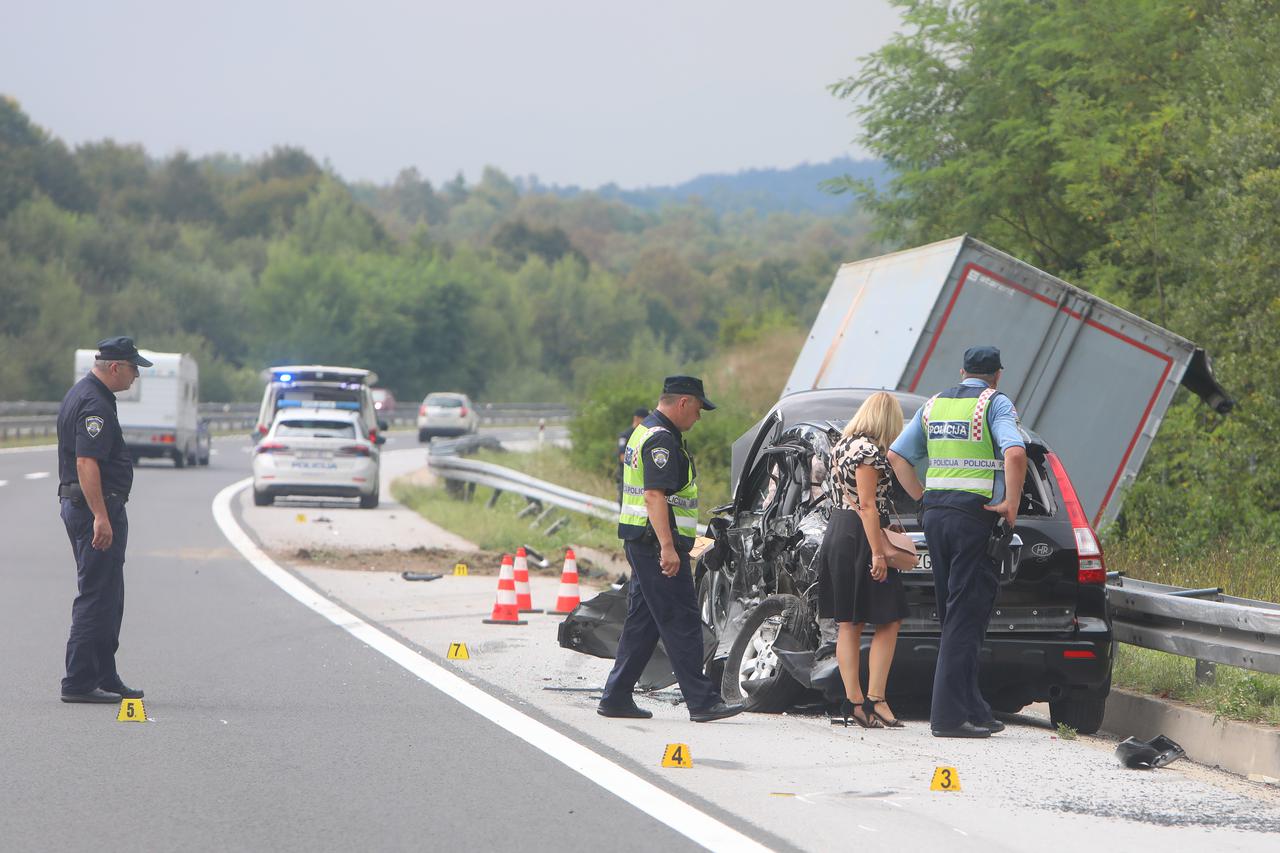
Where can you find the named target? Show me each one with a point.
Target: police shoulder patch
(93, 425)
(660, 455)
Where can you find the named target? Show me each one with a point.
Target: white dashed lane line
(35, 475)
(4, 483)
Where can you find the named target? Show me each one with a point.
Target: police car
(316, 452)
(323, 387)
(1050, 637)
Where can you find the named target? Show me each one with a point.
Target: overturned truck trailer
(1091, 378)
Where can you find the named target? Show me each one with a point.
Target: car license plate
(316, 464)
(315, 454)
(923, 563)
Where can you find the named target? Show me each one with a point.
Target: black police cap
(690, 385)
(641, 412)
(982, 360)
(121, 349)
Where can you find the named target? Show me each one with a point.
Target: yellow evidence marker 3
(131, 711)
(945, 779)
(460, 570)
(458, 651)
(677, 755)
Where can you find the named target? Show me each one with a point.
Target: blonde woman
(856, 586)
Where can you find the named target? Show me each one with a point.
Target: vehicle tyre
(262, 498)
(179, 459)
(369, 501)
(423, 436)
(713, 600)
(752, 657)
(1083, 715)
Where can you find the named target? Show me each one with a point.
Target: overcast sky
(573, 91)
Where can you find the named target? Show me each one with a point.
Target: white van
(159, 414)
(318, 386)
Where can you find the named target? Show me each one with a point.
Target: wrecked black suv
(1050, 636)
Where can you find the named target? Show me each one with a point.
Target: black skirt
(846, 590)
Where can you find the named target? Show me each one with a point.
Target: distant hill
(795, 190)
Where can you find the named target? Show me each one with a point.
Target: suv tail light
(273, 447)
(422, 410)
(1088, 551)
(354, 450)
(463, 412)
(262, 429)
(373, 435)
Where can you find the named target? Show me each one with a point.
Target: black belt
(74, 493)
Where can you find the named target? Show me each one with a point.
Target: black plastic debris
(420, 576)
(1148, 754)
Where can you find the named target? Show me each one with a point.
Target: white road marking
(865, 828)
(959, 830)
(35, 475)
(4, 482)
(630, 788)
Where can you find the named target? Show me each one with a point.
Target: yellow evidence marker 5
(945, 779)
(458, 651)
(131, 711)
(677, 755)
(460, 570)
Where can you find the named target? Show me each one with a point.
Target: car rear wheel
(753, 673)
(369, 501)
(262, 498)
(179, 459)
(423, 436)
(1083, 715)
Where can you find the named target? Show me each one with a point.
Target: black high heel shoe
(869, 710)
(849, 712)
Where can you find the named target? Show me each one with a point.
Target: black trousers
(964, 582)
(98, 609)
(659, 607)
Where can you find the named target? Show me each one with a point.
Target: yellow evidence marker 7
(131, 711)
(677, 755)
(945, 779)
(460, 570)
(458, 651)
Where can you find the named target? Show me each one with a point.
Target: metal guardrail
(24, 419)
(1197, 623)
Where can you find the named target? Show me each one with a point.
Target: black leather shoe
(97, 696)
(993, 726)
(124, 690)
(963, 730)
(633, 712)
(718, 711)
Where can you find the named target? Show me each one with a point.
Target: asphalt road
(270, 727)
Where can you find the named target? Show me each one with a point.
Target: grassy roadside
(498, 528)
(28, 441)
(1236, 694)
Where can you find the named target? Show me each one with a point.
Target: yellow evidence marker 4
(458, 651)
(945, 779)
(677, 755)
(131, 711)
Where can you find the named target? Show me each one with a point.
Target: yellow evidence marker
(677, 755)
(300, 517)
(458, 651)
(945, 779)
(131, 711)
(460, 570)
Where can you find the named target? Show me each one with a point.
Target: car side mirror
(383, 426)
(380, 440)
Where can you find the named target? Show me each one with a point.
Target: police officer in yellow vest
(977, 461)
(658, 523)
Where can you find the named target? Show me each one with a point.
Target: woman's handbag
(899, 550)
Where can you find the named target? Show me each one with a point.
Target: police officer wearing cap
(658, 524)
(977, 461)
(95, 474)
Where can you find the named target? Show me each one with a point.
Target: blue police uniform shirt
(665, 465)
(1002, 418)
(88, 426)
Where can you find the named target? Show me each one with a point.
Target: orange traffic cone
(524, 597)
(505, 611)
(569, 597)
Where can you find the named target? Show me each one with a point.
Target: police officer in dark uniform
(977, 462)
(95, 474)
(658, 524)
